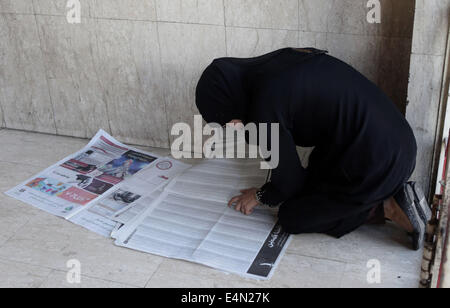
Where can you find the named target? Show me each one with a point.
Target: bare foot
(395, 213)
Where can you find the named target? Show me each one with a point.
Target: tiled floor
(35, 246)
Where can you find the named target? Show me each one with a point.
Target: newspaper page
(69, 186)
(162, 206)
(190, 220)
(135, 209)
(128, 198)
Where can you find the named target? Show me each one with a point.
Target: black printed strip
(269, 253)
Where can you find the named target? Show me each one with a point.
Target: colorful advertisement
(78, 196)
(48, 186)
(125, 166)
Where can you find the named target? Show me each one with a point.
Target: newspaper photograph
(69, 186)
(128, 199)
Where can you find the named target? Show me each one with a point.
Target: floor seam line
(151, 277)
(53, 270)
(315, 257)
(103, 279)
(46, 279)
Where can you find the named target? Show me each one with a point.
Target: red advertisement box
(77, 196)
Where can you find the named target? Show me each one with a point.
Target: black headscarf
(223, 92)
(221, 95)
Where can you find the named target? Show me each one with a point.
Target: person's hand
(246, 202)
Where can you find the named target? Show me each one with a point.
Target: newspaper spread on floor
(162, 206)
(103, 178)
(190, 220)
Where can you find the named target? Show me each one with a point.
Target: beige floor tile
(385, 243)
(13, 214)
(3, 239)
(293, 271)
(58, 279)
(182, 274)
(13, 174)
(51, 242)
(305, 272)
(36, 149)
(356, 277)
(19, 275)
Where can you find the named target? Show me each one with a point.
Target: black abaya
(364, 148)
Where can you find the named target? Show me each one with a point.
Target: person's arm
(288, 178)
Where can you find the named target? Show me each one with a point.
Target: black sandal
(421, 203)
(406, 199)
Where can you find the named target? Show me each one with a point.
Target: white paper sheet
(137, 188)
(134, 193)
(162, 206)
(69, 186)
(136, 208)
(91, 187)
(191, 220)
(95, 223)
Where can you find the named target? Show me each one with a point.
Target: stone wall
(131, 66)
(426, 105)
